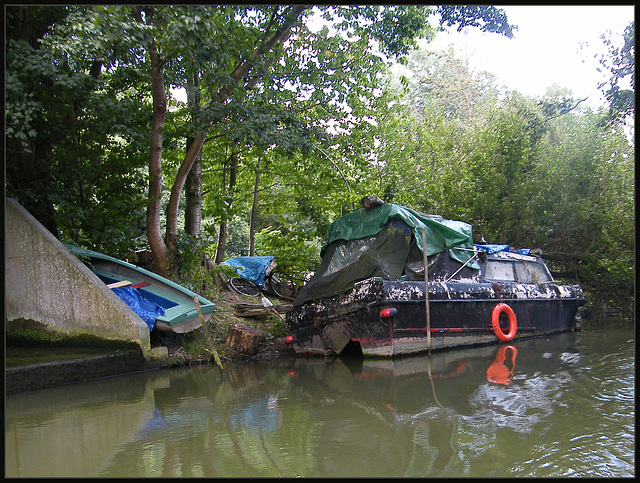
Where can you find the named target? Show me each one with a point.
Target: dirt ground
(181, 346)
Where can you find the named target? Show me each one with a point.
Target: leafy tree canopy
(621, 66)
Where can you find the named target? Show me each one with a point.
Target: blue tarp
(146, 309)
(250, 268)
(502, 248)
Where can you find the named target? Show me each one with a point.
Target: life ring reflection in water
(495, 322)
(498, 372)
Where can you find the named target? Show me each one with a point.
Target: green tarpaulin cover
(441, 234)
(384, 241)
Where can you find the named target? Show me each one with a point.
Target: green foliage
(190, 267)
(293, 251)
(488, 18)
(620, 64)
(238, 241)
(75, 144)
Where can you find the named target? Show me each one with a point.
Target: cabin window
(527, 272)
(520, 271)
(498, 270)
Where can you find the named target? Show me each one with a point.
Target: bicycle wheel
(244, 287)
(281, 284)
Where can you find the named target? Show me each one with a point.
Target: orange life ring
(495, 322)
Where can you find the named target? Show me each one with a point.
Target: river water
(547, 407)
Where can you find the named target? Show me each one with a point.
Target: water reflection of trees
(434, 415)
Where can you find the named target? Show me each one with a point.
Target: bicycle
(259, 274)
(281, 284)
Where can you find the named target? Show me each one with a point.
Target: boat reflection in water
(415, 387)
(468, 412)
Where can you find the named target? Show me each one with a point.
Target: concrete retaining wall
(46, 283)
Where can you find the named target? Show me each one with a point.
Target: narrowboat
(164, 305)
(368, 293)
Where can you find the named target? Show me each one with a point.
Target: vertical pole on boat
(426, 287)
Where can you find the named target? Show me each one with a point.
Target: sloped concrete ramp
(46, 283)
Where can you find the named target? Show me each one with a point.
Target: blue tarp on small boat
(146, 309)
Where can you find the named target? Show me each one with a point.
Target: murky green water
(562, 406)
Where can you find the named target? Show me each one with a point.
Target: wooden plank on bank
(258, 310)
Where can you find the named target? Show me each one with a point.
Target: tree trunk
(242, 72)
(154, 208)
(176, 190)
(193, 198)
(252, 229)
(193, 185)
(222, 238)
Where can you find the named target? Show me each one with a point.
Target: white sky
(546, 48)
